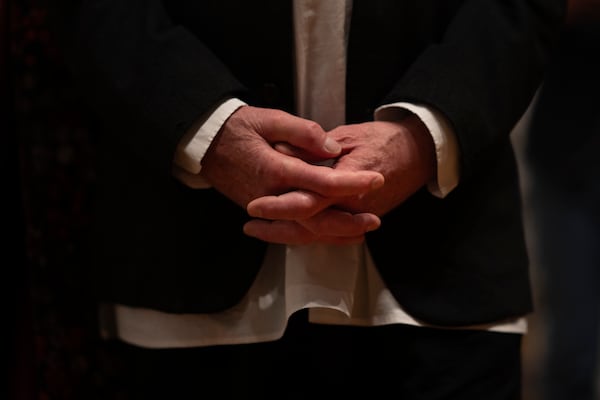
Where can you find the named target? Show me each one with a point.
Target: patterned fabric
(57, 176)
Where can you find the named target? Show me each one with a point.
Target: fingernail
(331, 146)
(373, 226)
(377, 182)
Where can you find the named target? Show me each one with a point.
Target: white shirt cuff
(195, 143)
(444, 138)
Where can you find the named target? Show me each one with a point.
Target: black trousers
(324, 361)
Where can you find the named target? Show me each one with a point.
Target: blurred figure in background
(562, 157)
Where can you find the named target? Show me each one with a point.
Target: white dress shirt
(339, 284)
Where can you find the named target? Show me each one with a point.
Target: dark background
(52, 350)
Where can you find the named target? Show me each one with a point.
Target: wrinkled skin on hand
(403, 152)
(243, 164)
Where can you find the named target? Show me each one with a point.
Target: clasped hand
(270, 162)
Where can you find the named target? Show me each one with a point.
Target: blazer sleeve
(147, 78)
(485, 70)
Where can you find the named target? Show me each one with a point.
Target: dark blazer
(149, 69)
